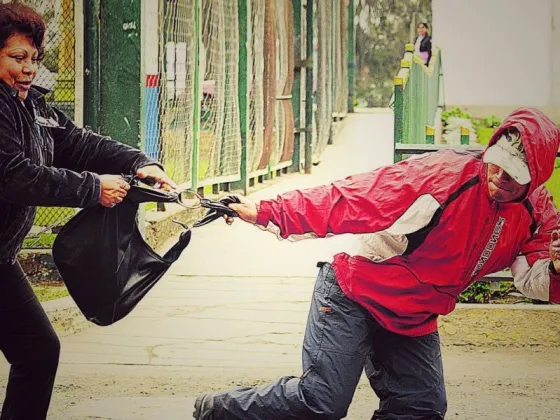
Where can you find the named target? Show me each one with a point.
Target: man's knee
(325, 403)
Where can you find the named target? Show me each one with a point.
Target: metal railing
(231, 92)
(417, 96)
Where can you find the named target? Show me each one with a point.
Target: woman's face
(421, 29)
(19, 63)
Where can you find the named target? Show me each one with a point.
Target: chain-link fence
(323, 77)
(191, 109)
(340, 58)
(172, 126)
(255, 69)
(220, 136)
(56, 73)
(284, 115)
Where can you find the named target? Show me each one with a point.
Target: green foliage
(485, 128)
(481, 292)
(44, 241)
(484, 134)
(454, 112)
(553, 184)
(45, 293)
(492, 122)
(383, 27)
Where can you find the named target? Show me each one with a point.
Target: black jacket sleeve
(79, 149)
(25, 183)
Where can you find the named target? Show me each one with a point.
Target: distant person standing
(423, 44)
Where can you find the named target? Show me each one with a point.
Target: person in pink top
(423, 44)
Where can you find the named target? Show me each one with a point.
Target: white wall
(498, 52)
(555, 53)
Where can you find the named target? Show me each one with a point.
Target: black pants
(30, 345)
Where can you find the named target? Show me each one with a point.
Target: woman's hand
(113, 190)
(246, 209)
(163, 181)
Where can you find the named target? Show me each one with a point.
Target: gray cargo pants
(341, 339)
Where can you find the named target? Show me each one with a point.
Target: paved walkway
(238, 298)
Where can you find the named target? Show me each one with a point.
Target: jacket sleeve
(410, 191)
(25, 183)
(79, 149)
(531, 269)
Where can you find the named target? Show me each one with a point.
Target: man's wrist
(264, 212)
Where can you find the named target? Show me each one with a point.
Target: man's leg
(337, 340)
(406, 373)
(30, 345)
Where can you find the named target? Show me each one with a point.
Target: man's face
(19, 63)
(503, 188)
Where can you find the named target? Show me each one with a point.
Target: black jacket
(45, 160)
(426, 46)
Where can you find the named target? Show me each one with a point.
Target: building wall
(555, 54)
(495, 54)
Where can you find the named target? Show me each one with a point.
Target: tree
(383, 27)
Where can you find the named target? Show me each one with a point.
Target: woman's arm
(25, 183)
(83, 150)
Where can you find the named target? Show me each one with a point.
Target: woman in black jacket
(45, 160)
(423, 43)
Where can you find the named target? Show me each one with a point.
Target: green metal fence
(416, 100)
(231, 93)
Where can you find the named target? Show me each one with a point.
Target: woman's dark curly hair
(15, 19)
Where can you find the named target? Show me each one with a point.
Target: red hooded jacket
(429, 229)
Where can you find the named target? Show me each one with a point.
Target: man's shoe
(203, 407)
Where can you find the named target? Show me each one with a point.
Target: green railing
(417, 96)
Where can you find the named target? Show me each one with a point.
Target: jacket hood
(541, 139)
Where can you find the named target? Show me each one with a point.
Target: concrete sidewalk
(238, 298)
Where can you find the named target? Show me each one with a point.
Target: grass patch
(44, 241)
(46, 293)
(484, 134)
(553, 184)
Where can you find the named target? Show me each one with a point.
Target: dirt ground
(482, 383)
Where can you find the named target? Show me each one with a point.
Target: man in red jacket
(430, 226)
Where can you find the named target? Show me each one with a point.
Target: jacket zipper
(479, 247)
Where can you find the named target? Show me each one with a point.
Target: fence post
(351, 51)
(120, 91)
(465, 134)
(91, 64)
(332, 67)
(244, 12)
(398, 111)
(309, 86)
(149, 112)
(196, 99)
(430, 134)
(296, 87)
